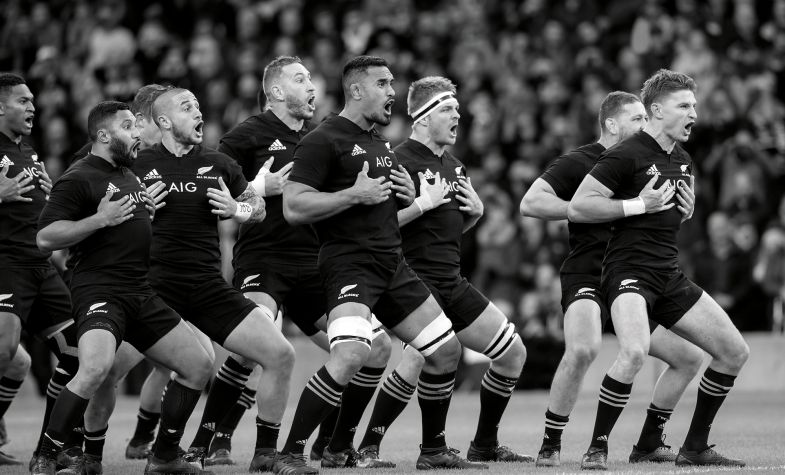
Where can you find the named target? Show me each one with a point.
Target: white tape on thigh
(349, 329)
(437, 333)
(501, 341)
(376, 327)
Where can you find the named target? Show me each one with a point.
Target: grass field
(750, 426)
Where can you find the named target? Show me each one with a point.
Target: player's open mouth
(312, 102)
(199, 127)
(388, 106)
(454, 130)
(136, 146)
(29, 120)
(688, 127)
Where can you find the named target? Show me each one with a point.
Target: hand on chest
(664, 172)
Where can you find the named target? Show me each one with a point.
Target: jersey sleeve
(564, 175)
(69, 201)
(613, 170)
(235, 179)
(235, 145)
(312, 160)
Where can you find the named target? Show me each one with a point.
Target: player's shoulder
(214, 156)
(246, 132)
(327, 132)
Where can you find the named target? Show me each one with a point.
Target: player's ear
(656, 110)
(103, 136)
(611, 125)
(277, 92)
(356, 91)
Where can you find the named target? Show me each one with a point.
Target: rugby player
(113, 301)
(33, 296)
(634, 185)
(343, 181)
(432, 228)
(621, 115)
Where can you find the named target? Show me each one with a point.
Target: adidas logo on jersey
(429, 174)
(112, 188)
(277, 145)
(152, 175)
(357, 150)
(652, 171)
(203, 170)
(6, 162)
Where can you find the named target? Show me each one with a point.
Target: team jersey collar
(100, 163)
(424, 151)
(649, 142)
(272, 119)
(350, 127)
(5, 141)
(159, 147)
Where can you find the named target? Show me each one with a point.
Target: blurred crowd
(530, 74)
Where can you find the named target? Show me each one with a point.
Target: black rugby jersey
(115, 255)
(185, 231)
(587, 240)
(252, 143)
(647, 240)
(19, 219)
(329, 159)
(432, 242)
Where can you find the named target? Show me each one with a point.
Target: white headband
(431, 105)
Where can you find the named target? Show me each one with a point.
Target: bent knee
(284, 358)
(93, 374)
(738, 355)
(447, 355)
(381, 349)
(582, 354)
(350, 356)
(633, 357)
(514, 358)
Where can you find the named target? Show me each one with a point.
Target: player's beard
(121, 153)
(297, 108)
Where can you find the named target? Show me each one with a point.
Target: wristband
(243, 212)
(424, 202)
(258, 182)
(633, 207)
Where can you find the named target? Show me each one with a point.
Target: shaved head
(163, 103)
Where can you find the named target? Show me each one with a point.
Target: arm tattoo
(257, 203)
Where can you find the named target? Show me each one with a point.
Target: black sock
(225, 430)
(267, 434)
(176, 407)
(434, 392)
(554, 426)
(391, 401)
(653, 427)
(8, 389)
(495, 393)
(59, 379)
(711, 394)
(94, 442)
(613, 397)
(146, 422)
(68, 410)
(225, 391)
(75, 438)
(327, 427)
(355, 399)
(320, 396)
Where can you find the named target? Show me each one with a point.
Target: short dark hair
(100, 114)
(612, 105)
(422, 90)
(9, 80)
(664, 82)
(272, 72)
(144, 98)
(358, 65)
